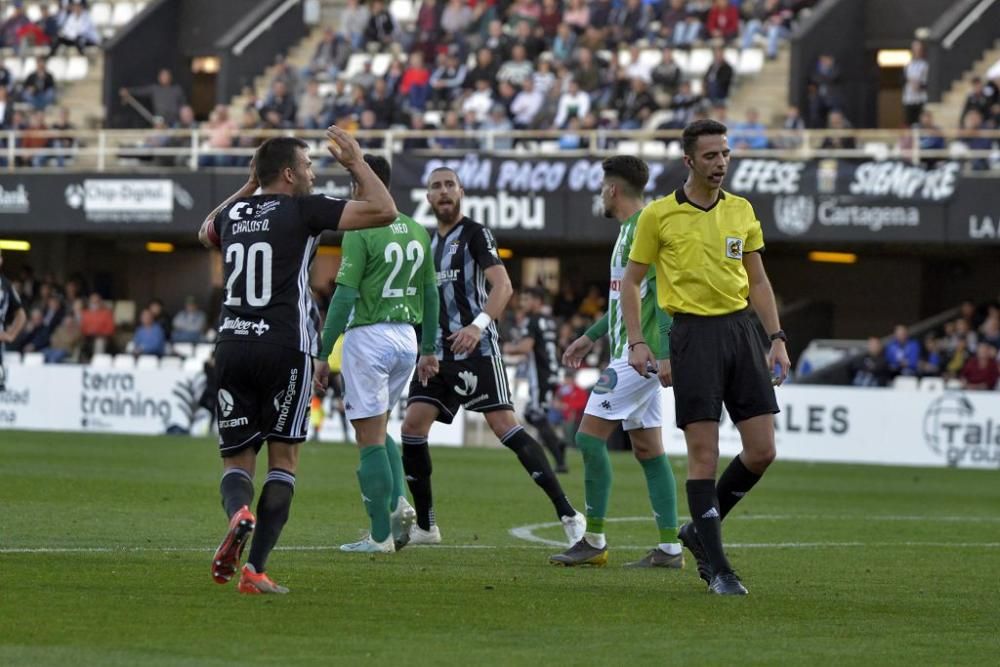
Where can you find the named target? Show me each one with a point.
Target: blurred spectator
(160, 316)
(334, 50)
(629, 22)
(416, 143)
(76, 29)
(915, 84)
(723, 21)
(972, 126)
(415, 84)
(931, 138)
(222, 133)
(34, 138)
(571, 139)
(836, 121)
(484, 70)
(34, 337)
(564, 43)
(594, 303)
(823, 90)
(638, 68)
(65, 341)
(526, 105)
(957, 359)
(682, 105)
(480, 101)
(284, 72)
(15, 24)
(149, 337)
(574, 103)
(456, 17)
(978, 99)
(309, 115)
(451, 124)
(981, 371)
(902, 353)
(53, 312)
(687, 32)
(750, 133)
(990, 332)
(189, 323)
(765, 17)
(550, 18)
(518, 68)
(666, 76)
(587, 72)
(40, 87)
(571, 401)
(793, 124)
(364, 79)
(381, 26)
(719, 77)
(165, 96)
(381, 103)
(6, 80)
(636, 106)
(281, 101)
(497, 121)
(930, 364)
(871, 370)
(368, 124)
(577, 15)
(97, 324)
(354, 22)
(446, 80)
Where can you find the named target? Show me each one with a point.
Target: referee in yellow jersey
(706, 245)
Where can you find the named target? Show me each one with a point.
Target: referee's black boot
(727, 583)
(689, 538)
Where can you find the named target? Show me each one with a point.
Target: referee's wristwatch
(779, 335)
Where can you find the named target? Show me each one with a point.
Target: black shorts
(264, 394)
(478, 384)
(719, 360)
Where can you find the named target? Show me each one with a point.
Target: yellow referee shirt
(698, 253)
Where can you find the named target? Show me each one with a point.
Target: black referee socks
(704, 508)
(736, 482)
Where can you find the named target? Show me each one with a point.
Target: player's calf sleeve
(236, 489)
(662, 488)
(272, 513)
(704, 508)
(396, 466)
(375, 478)
(532, 457)
(417, 464)
(596, 479)
(735, 482)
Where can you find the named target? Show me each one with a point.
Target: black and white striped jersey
(461, 258)
(268, 243)
(543, 362)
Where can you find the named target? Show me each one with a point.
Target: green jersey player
(622, 396)
(386, 285)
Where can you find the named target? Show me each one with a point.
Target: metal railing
(121, 150)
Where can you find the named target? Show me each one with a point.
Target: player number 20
(394, 255)
(257, 295)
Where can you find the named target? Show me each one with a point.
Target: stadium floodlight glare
(505, 253)
(328, 251)
(10, 244)
(159, 246)
(890, 58)
(833, 257)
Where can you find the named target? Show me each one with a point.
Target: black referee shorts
(718, 361)
(264, 394)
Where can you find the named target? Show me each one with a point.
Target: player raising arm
(266, 341)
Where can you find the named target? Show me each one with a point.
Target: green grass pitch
(105, 543)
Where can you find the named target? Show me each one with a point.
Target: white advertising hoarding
(868, 425)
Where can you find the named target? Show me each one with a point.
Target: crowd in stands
(517, 64)
(70, 323)
(964, 349)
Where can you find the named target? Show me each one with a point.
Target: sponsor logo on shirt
(469, 383)
(241, 327)
(447, 276)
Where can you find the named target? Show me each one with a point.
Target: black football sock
(236, 489)
(704, 508)
(417, 465)
(532, 457)
(272, 513)
(735, 482)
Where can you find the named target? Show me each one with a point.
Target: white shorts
(377, 364)
(623, 395)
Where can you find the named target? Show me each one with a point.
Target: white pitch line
(527, 533)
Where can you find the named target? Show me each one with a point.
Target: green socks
(662, 496)
(596, 479)
(396, 464)
(375, 477)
